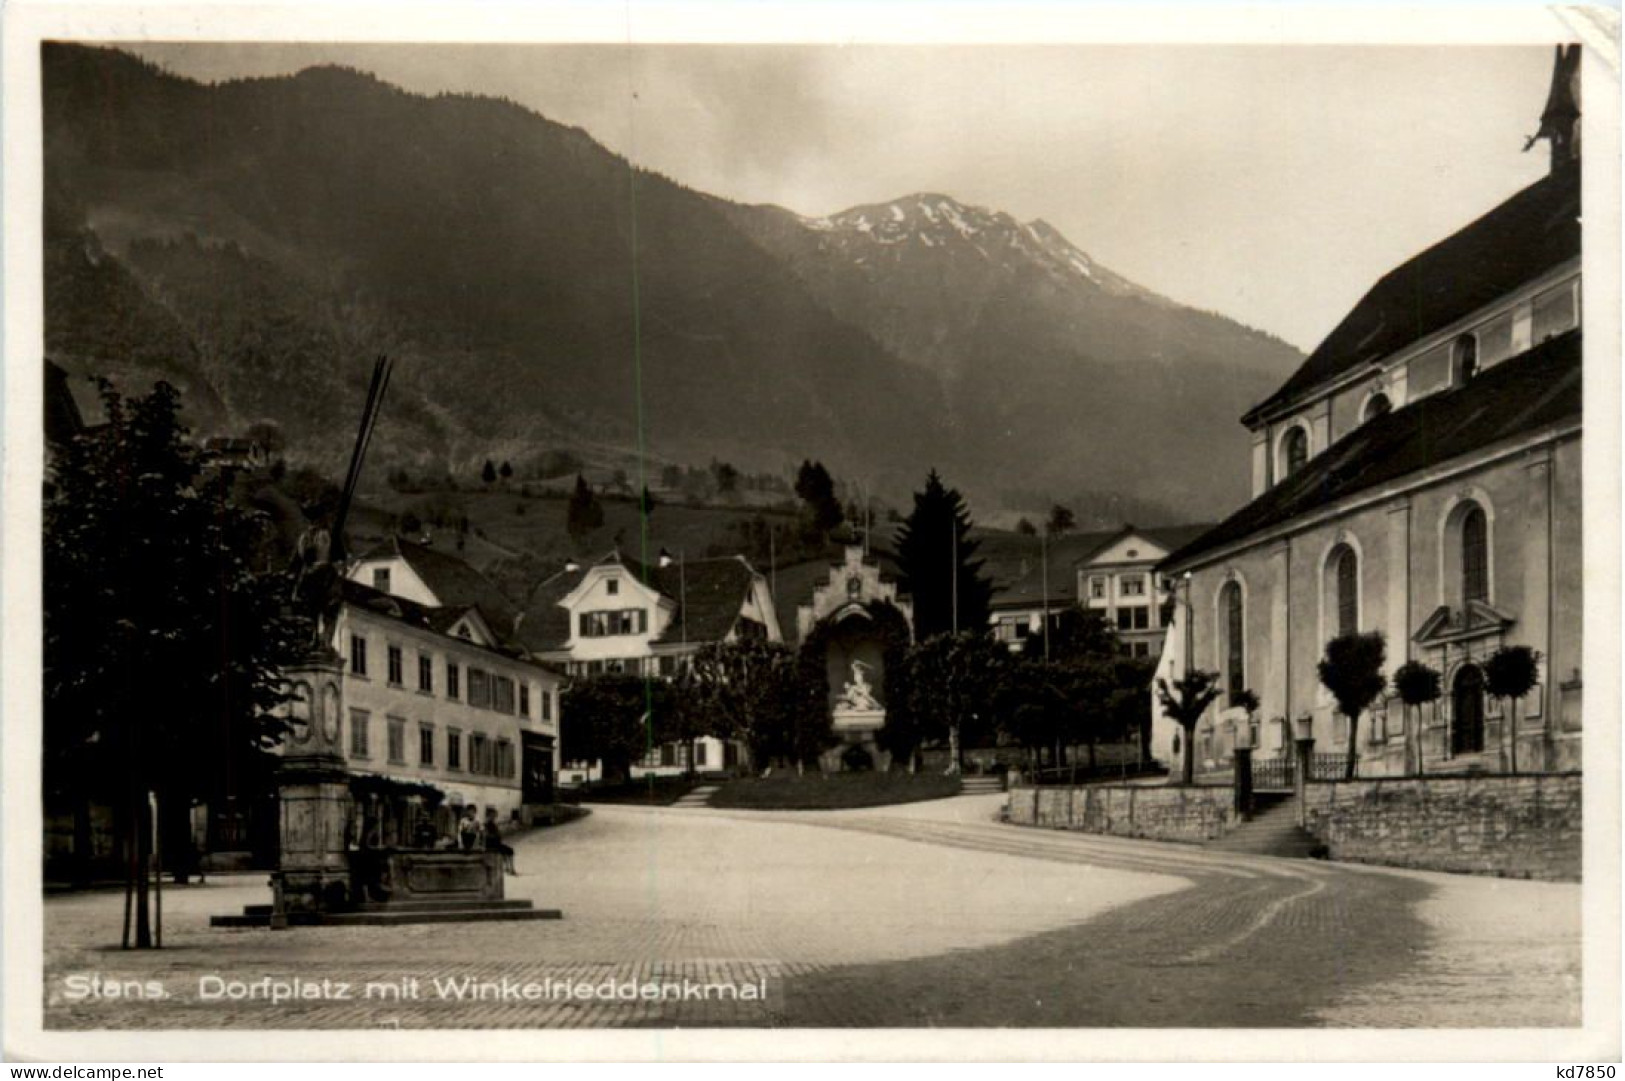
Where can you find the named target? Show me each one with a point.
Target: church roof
(1523, 394)
(1532, 232)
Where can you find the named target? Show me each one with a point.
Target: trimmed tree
(1183, 702)
(954, 680)
(1352, 671)
(1510, 673)
(609, 719)
(1416, 685)
(753, 692)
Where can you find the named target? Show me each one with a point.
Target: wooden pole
(158, 871)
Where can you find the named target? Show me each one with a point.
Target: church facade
(1418, 476)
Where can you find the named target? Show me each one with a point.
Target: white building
(619, 616)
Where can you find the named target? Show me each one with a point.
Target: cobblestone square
(924, 915)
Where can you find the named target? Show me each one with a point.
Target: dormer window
(612, 586)
(1464, 359)
(1294, 451)
(380, 579)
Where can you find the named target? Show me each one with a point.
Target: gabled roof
(1015, 565)
(1169, 538)
(708, 593)
(453, 582)
(440, 620)
(1526, 393)
(1532, 232)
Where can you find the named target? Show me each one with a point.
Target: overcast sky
(1272, 184)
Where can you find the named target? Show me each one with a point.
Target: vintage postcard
(678, 532)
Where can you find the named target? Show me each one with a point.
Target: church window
(1346, 586)
(1232, 612)
(1465, 355)
(1475, 556)
(1294, 451)
(1377, 405)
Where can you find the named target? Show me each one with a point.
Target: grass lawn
(830, 791)
(648, 792)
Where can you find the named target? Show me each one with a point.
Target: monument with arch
(861, 624)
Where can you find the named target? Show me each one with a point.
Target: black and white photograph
(666, 533)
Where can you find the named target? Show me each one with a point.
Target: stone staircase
(696, 797)
(1272, 830)
(396, 913)
(980, 784)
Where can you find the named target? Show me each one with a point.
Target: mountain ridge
(291, 225)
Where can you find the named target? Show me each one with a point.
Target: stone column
(313, 869)
(1397, 616)
(1533, 615)
(1277, 693)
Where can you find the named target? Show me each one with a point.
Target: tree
(489, 473)
(163, 649)
(1061, 520)
(506, 472)
(725, 476)
(647, 503)
(1184, 702)
(821, 510)
(671, 477)
(1510, 673)
(1026, 528)
(934, 553)
(584, 513)
(953, 686)
(1352, 671)
(1416, 684)
(607, 719)
(753, 692)
(1074, 634)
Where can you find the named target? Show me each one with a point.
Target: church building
(1419, 476)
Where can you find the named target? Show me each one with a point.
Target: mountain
(258, 241)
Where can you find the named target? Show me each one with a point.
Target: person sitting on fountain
(493, 841)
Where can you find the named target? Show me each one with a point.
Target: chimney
(666, 558)
(571, 564)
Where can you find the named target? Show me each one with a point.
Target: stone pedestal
(313, 870)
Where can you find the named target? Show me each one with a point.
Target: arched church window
(1475, 556)
(1465, 355)
(1294, 452)
(1346, 589)
(1376, 406)
(1231, 609)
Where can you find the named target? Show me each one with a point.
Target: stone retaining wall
(1518, 827)
(1161, 813)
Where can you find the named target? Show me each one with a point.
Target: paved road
(928, 914)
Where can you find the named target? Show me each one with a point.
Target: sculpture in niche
(858, 694)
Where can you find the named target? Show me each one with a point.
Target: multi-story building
(619, 616)
(1117, 580)
(1032, 579)
(435, 691)
(1419, 475)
